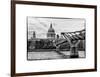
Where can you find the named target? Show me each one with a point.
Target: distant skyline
(41, 25)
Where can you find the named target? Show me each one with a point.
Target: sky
(41, 25)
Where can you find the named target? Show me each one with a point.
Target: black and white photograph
(51, 38)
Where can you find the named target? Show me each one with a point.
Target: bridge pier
(74, 52)
(74, 49)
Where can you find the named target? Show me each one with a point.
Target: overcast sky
(41, 25)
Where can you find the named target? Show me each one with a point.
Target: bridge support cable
(73, 38)
(73, 44)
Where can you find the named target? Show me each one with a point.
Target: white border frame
(22, 11)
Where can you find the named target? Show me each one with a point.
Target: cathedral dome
(51, 33)
(51, 29)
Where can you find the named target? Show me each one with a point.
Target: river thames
(47, 55)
